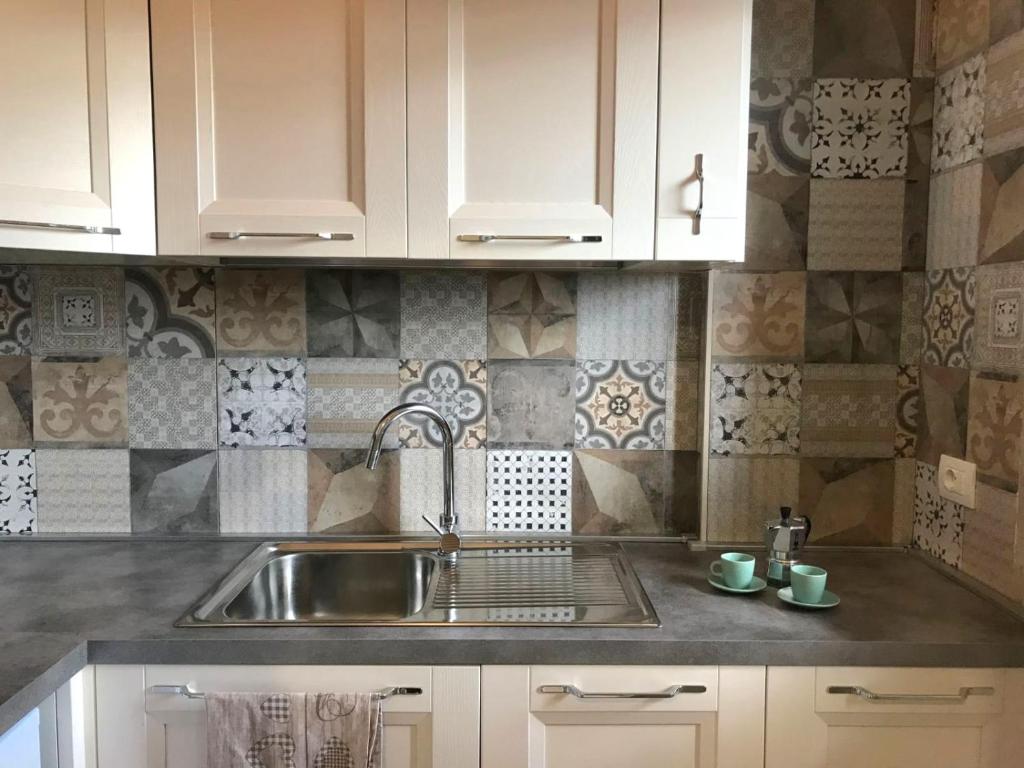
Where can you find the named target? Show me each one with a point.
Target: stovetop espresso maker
(785, 537)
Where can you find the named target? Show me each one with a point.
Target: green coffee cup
(807, 583)
(735, 568)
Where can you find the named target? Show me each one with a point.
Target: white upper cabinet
(532, 128)
(76, 135)
(702, 131)
(280, 129)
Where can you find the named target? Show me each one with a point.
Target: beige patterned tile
(989, 534)
(263, 491)
(961, 29)
(1005, 18)
(994, 427)
(78, 311)
(848, 410)
(954, 218)
(778, 54)
(758, 315)
(958, 135)
(850, 500)
(1004, 95)
(868, 38)
(15, 402)
(903, 501)
(531, 315)
(743, 493)
(346, 398)
(684, 406)
(261, 311)
(999, 323)
(83, 491)
(623, 317)
(856, 224)
(80, 403)
(911, 317)
(421, 488)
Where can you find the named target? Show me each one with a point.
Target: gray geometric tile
(869, 38)
(530, 403)
(83, 490)
(79, 311)
(529, 491)
(15, 311)
(262, 401)
(444, 315)
(346, 398)
(853, 317)
(623, 317)
(421, 488)
(777, 212)
(345, 497)
(15, 402)
(17, 491)
(755, 409)
(170, 312)
(170, 403)
(621, 404)
(263, 491)
(174, 491)
(353, 313)
(1004, 96)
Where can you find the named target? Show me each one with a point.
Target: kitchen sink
(383, 583)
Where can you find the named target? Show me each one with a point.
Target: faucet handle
(450, 544)
(432, 524)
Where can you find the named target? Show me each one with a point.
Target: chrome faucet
(450, 543)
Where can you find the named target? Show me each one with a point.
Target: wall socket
(956, 479)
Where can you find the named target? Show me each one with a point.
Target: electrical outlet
(956, 479)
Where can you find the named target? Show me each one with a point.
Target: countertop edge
(35, 692)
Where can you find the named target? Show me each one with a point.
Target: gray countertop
(67, 603)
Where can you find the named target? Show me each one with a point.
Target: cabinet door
(525, 726)
(703, 124)
(76, 134)
(280, 134)
(139, 728)
(532, 128)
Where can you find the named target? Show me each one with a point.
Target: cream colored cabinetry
(280, 130)
(76, 134)
(702, 130)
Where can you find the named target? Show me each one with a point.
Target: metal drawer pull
(80, 228)
(549, 238)
(668, 693)
(699, 213)
(188, 693)
(912, 698)
(295, 235)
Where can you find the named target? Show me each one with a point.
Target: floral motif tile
(961, 29)
(850, 500)
(444, 315)
(860, 128)
(17, 491)
(421, 491)
(745, 492)
(989, 541)
(346, 398)
(782, 55)
(83, 490)
(994, 428)
(847, 411)
(755, 409)
(80, 402)
(911, 317)
(942, 414)
(620, 404)
(1005, 18)
(908, 403)
(78, 311)
(1004, 95)
(856, 224)
(1002, 208)
(263, 491)
(346, 497)
(261, 311)
(15, 310)
(758, 314)
(853, 317)
(777, 211)
(170, 312)
(530, 403)
(869, 38)
(353, 313)
(622, 317)
(170, 403)
(529, 491)
(959, 115)
(262, 401)
(938, 522)
(954, 221)
(531, 315)
(999, 332)
(15, 402)
(457, 389)
(779, 139)
(174, 491)
(949, 317)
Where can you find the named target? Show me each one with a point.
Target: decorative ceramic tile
(938, 522)
(916, 192)
(856, 224)
(457, 389)
(961, 29)
(911, 317)
(949, 317)
(777, 210)
(444, 315)
(174, 491)
(346, 398)
(353, 313)
(346, 497)
(959, 115)
(988, 541)
(531, 314)
(860, 128)
(80, 402)
(1002, 208)
(17, 491)
(994, 429)
(848, 411)
(908, 403)
(635, 493)
(903, 502)
(620, 404)
(683, 405)
(622, 317)
(15, 310)
(263, 491)
(853, 317)
(954, 219)
(16, 402)
(849, 500)
(1005, 18)
(83, 491)
(870, 38)
(743, 493)
(170, 312)
(78, 311)
(783, 38)
(942, 418)
(529, 491)
(421, 488)
(780, 126)
(758, 315)
(924, 44)
(262, 401)
(691, 315)
(170, 403)
(755, 409)
(1004, 95)
(999, 335)
(531, 403)
(261, 311)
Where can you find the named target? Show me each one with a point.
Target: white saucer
(828, 599)
(756, 585)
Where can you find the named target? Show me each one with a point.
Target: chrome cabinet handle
(912, 698)
(699, 213)
(188, 693)
(550, 238)
(84, 229)
(668, 693)
(296, 235)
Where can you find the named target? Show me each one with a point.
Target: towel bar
(188, 693)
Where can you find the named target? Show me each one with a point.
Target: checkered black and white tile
(529, 491)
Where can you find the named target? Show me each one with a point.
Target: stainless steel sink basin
(404, 583)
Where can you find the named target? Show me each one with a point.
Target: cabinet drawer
(909, 690)
(624, 680)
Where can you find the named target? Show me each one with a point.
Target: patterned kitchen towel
(344, 730)
(256, 730)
